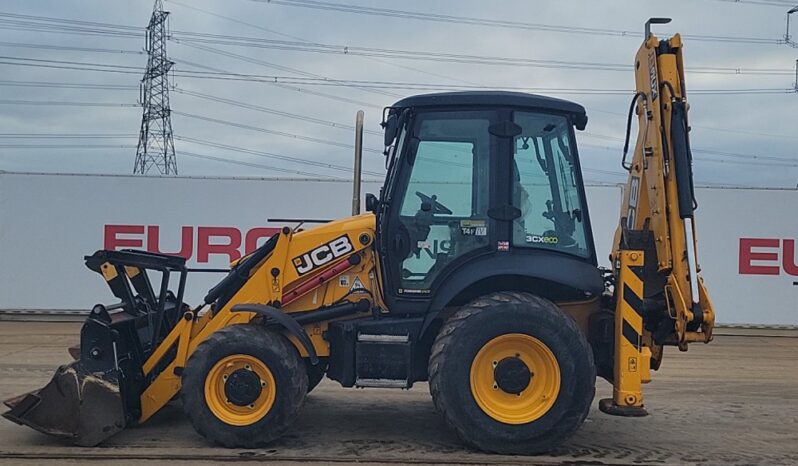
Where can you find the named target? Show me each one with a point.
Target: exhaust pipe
(358, 162)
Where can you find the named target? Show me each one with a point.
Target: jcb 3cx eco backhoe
(474, 270)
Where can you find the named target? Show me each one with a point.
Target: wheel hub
(501, 378)
(512, 375)
(242, 387)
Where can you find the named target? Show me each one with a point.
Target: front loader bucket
(84, 407)
(99, 393)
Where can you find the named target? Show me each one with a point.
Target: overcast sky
(744, 139)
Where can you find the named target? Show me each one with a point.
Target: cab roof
(495, 98)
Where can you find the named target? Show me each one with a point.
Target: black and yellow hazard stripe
(629, 360)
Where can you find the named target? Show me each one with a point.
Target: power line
(304, 40)
(260, 108)
(285, 68)
(64, 103)
(66, 146)
(734, 162)
(66, 136)
(762, 2)
(265, 154)
(709, 128)
(742, 131)
(275, 132)
(70, 21)
(432, 17)
(310, 46)
(253, 165)
(292, 88)
(444, 87)
(69, 65)
(29, 26)
(314, 47)
(71, 48)
(705, 151)
(439, 86)
(67, 85)
(62, 25)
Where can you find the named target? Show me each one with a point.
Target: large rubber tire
(460, 340)
(274, 351)
(315, 373)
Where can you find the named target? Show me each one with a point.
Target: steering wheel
(437, 207)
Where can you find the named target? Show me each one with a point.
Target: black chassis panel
(350, 358)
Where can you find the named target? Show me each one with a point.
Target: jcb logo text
(322, 255)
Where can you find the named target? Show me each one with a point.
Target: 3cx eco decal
(537, 239)
(323, 254)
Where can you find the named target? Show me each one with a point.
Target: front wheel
(512, 374)
(243, 386)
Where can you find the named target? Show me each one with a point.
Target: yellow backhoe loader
(473, 269)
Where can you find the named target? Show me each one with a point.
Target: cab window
(546, 186)
(443, 213)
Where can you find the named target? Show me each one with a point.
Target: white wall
(726, 219)
(49, 222)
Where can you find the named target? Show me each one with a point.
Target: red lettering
(747, 256)
(186, 241)
(112, 240)
(205, 248)
(788, 258)
(254, 235)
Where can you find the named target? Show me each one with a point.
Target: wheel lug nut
(247, 367)
(495, 386)
(252, 406)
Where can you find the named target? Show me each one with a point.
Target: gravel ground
(731, 402)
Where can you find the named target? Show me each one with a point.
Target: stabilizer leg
(632, 360)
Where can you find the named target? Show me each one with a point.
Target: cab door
(437, 216)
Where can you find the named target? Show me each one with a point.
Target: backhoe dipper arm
(659, 297)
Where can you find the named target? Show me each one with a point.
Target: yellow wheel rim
(535, 399)
(217, 399)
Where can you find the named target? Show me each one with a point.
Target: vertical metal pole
(358, 162)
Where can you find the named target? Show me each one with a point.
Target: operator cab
(477, 175)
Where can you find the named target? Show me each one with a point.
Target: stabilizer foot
(607, 406)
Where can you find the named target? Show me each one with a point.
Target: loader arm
(659, 297)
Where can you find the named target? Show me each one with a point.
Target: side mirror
(372, 203)
(391, 126)
(580, 121)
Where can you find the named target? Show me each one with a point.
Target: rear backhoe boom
(659, 297)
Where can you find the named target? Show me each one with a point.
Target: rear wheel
(512, 374)
(243, 386)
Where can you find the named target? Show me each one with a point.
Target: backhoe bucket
(84, 407)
